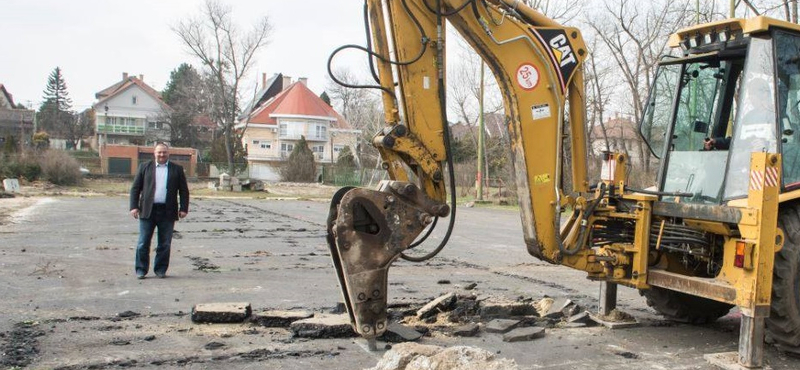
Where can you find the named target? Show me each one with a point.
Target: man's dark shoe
(140, 277)
(161, 275)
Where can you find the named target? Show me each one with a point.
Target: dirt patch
(203, 264)
(10, 206)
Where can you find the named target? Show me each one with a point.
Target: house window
(152, 125)
(266, 145)
(255, 142)
(284, 130)
(134, 100)
(322, 132)
(287, 147)
(338, 148)
(318, 148)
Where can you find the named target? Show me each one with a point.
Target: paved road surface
(66, 272)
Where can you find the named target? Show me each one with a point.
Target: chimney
(264, 80)
(141, 78)
(124, 75)
(286, 82)
(303, 80)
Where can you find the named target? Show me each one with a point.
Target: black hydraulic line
(369, 43)
(448, 150)
(368, 50)
(584, 232)
(427, 234)
(447, 14)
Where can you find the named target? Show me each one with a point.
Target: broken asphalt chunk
(437, 305)
(501, 325)
(280, 319)
(523, 334)
(397, 333)
(556, 309)
(214, 345)
(466, 330)
(323, 326)
(506, 309)
(221, 312)
(582, 317)
(127, 314)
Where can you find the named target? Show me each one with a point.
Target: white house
(130, 112)
(284, 112)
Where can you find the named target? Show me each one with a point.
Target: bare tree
(227, 54)
(559, 10)
(636, 34)
(362, 108)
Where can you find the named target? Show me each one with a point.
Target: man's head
(161, 153)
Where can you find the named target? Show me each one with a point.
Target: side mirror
(700, 126)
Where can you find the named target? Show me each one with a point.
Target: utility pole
(479, 176)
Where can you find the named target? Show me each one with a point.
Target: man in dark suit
(154, 201)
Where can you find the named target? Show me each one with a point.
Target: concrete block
(437, 305)
(467, 330)
(236, 188)
(221, 312)
(524, 334)
(501, 325)
(612, 324)
(280, 319)
(11, 185)
(397, 333)
(572, 325)
(323, 326)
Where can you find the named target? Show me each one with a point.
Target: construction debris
(413, 356)
(221, 312)
(323, 326)
(397, 333)
(466, 330)
(501, 325)
(524, 334)
(616, 319)
(280, 319)
(441, 304)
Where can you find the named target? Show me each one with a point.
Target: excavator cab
(720, 102)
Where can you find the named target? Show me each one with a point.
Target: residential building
(623, 137)
(130, 112)
(280, 114)
(125, 159)
(14, 122)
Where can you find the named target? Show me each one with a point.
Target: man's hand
(182, 214)
(135, 213)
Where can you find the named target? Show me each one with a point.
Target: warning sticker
(527, 76)
(540, 111)
(541, 179)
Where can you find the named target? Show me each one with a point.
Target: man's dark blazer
(143, 189)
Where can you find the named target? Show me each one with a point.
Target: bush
(60, 168)
(20, 166)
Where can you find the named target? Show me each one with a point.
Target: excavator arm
(538, 65)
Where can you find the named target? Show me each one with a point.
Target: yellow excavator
(721, 228)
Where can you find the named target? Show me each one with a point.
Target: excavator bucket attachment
(367, 231)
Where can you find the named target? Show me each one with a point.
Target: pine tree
(55, 112)
(324, 96)
(300, 166)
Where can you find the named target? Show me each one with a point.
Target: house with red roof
(277, 119)
(130, 112)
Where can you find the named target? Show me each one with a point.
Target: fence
(349, 176)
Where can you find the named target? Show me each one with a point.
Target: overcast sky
(95, 41)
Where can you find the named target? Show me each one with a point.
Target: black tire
(783, 324)
(683, 307)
